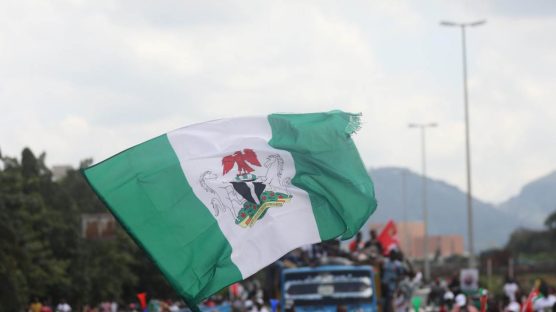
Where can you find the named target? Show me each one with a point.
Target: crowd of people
(43, 306)
(400, 288)
(404, 290)
(109, 306)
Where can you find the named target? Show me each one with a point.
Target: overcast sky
(85, 79)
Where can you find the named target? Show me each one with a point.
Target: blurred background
(81, 81)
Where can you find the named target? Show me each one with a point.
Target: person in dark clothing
(390, 275)
(436, 294)
(454, 285)
(373, 242)
(355, 245)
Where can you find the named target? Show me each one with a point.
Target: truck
(328, 288)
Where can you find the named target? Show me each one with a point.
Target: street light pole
(470, 238)
(423, 127)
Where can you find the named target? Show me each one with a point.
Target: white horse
(273, 177)
(225, 197)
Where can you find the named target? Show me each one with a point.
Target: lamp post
(470, 242)
(423, 127)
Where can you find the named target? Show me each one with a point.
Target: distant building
(98, 225)
(411, 237)
(60, 171)
(441, 245)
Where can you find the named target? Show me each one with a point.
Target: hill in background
(447, 206)
(535, 201)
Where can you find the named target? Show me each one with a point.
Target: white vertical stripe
(201, 147)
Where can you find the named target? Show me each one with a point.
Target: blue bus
(329, 288)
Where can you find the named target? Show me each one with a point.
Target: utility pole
(470, 241)
(423, 127)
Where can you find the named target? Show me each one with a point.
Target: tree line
(539, 244)
(42, 253)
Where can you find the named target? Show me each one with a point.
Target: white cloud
(83, 79)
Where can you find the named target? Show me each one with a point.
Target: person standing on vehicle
(373, 243)
(356, 244)
(391, 271)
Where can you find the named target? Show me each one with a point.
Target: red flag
(142, 300)
(234, 290)
(388, 237)
(484, 300)
(528, 305)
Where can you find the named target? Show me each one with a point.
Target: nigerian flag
(215, 202)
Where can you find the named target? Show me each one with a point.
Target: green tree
(42, 253)
(535, 242)
(550, 221)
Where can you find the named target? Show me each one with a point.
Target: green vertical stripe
(328, 167)
(146, 189)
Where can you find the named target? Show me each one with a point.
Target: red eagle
(242, 160)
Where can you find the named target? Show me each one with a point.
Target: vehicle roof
(329, 268)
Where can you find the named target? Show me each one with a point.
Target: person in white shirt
(63, 306)
(546, 301)
(513, 307)
(510, 289)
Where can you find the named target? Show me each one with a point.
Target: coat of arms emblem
(253, 189)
